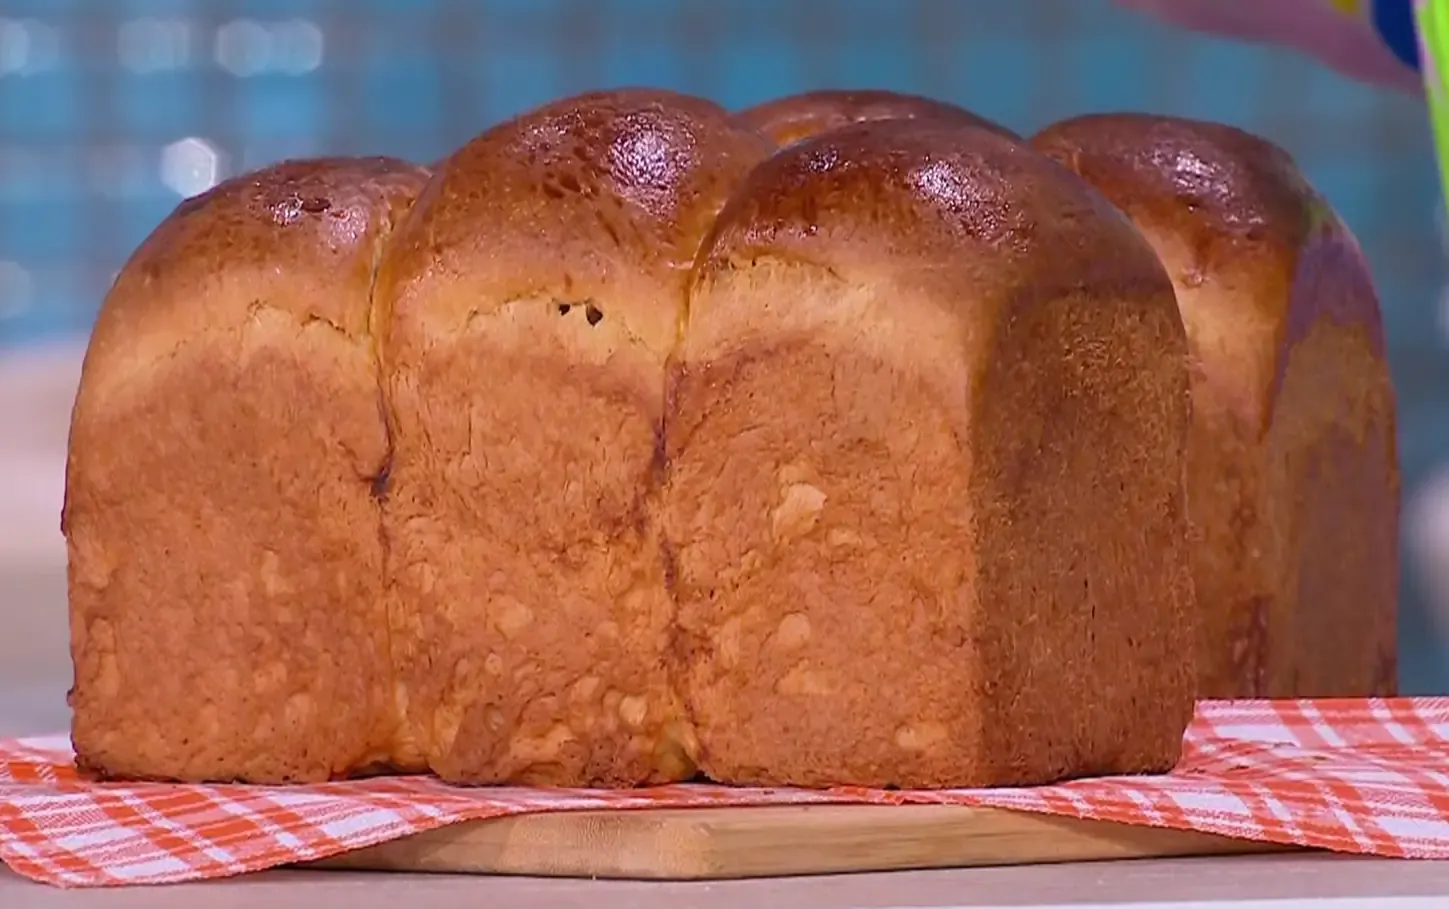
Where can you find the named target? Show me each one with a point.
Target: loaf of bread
(848, 440)
(221, 510)
(1294, 479)
(526, 310)
(795, 117)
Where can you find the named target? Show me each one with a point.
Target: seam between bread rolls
(398, 756)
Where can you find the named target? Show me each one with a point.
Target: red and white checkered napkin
(1353, 776)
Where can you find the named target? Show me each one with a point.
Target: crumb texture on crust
(794, 117)
(899, 415)
(533, 298)
(225, 564)
(1294, 483)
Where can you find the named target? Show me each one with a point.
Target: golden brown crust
(225, 559)
(1236, 201)
(533, 297)
(966, 207)
(1294, 478)
(615, 187)
(1210, 181)
(795, 117)
(302, 219)
(897, 419)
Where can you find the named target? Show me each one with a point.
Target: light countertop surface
(35, 391)
(1289, 882)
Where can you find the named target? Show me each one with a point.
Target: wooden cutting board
(720, 843)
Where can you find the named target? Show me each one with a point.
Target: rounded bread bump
(928, 202)
(605, 194)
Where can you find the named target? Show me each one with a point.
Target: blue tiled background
(110, 110)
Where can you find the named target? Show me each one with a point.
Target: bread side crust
(225, 563)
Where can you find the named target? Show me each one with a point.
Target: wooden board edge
(776, 841)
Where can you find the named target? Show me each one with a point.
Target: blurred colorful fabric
(1366, 39)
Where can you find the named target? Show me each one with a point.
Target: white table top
(34, 673)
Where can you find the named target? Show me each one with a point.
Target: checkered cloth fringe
(1356, 776)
